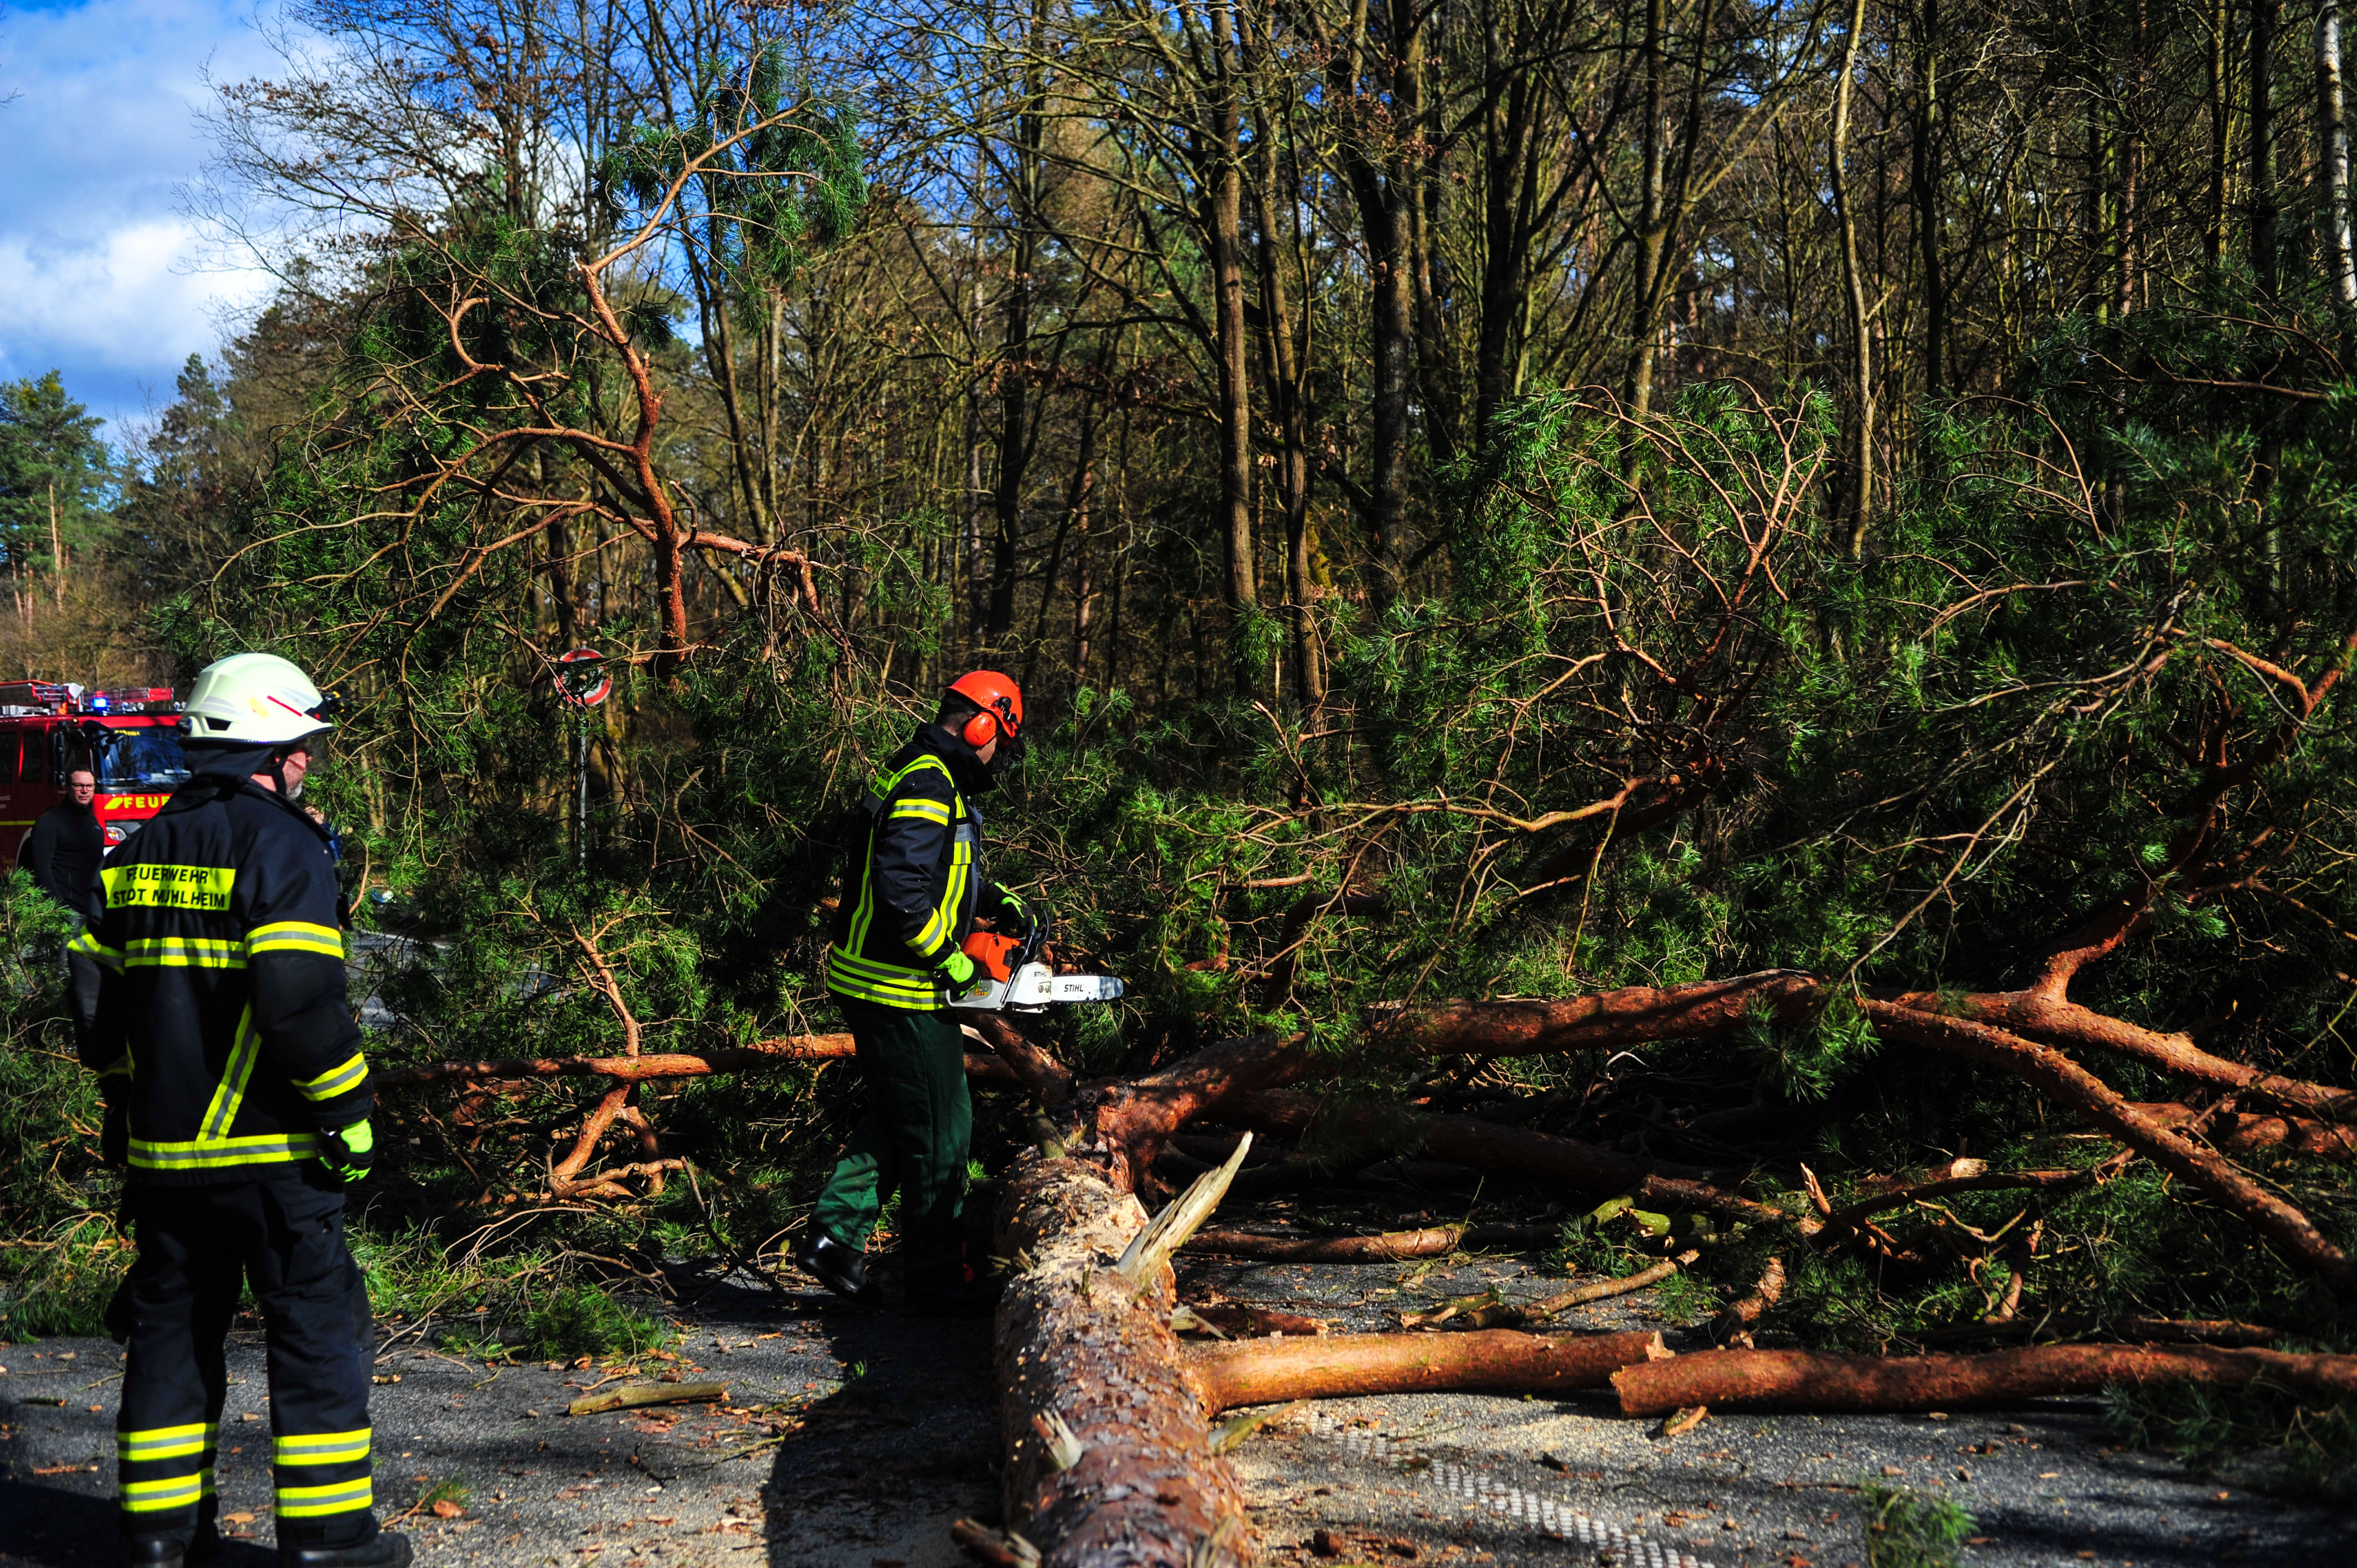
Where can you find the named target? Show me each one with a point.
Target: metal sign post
(582, 683)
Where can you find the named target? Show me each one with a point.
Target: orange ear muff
(980, 728)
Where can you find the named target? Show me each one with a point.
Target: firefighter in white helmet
(226, 1043)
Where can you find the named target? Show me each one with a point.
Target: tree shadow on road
(48, 1527)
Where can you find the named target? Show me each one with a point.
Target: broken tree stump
(1273, 1371)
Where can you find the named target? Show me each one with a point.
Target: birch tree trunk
(2332, 139)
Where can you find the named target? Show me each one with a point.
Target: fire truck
(129, 738)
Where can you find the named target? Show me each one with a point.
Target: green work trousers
(913, 1138)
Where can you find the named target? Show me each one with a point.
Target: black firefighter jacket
(222, 1028)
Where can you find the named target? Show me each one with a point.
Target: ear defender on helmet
(1000, 701)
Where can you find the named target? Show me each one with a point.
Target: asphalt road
(851, 1439)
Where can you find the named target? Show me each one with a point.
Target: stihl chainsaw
(1008, 975)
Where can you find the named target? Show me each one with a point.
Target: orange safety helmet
(1001, 701)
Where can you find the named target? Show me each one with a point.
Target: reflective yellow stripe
(155, 1496)
(891, 985)
(221, 1114)
(89, 946)
(202, 1154)
(183, 953)
(166, 1442)
(335, 1080)
(308, 1502)
(158, 886)
(295, 936)
(323, 1447)
(119, 1067)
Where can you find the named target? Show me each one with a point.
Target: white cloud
(122, 299)
(98, 273)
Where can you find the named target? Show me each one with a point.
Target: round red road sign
(581, 677)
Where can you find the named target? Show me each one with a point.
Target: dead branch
(631, 1396)
(1848, 1217)
(669, 1064)
(1811, 1379)
(1734, 1324)
(1272, 1371)
(610, 988)
(2059, 1076)
(2134, 1330)
(1234, 1321)
(1626, 1285)
(1390, 1246)
(673, 1064)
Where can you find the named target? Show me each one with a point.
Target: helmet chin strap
(278, 775)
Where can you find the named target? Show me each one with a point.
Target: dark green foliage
(583, 1320)
(56, 476)
(57, 1204)
(1905, 1529)
(2258, 1436)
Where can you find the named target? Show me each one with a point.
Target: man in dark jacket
(895, 961)
(226, 1044)
(63, 851)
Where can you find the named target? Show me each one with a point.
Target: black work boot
(837, 1267)
(383, 1550)
(154, 1551)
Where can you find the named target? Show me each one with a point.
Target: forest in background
(1484, 500)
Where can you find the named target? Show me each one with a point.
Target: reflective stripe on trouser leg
(322, 1473)
(163, 1473)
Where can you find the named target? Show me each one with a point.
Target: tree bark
(1272, 1371)
(1630, 1015)
(1924, 175)
(1108, 1461)
(1232, 344)
(1814, 1381)
(2333, 141)
(1861, 456)
(2267, 18)
(1653, 215)
(671, 1064)
(1281, 364)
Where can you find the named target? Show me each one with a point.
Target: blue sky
(100, 274)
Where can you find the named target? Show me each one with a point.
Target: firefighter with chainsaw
(237, 1101)
(912, 890)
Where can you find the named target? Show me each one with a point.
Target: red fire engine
(130, 739)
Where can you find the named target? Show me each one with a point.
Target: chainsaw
(1009, 976)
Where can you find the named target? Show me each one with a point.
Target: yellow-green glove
(960, 968)
(348, 1152)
